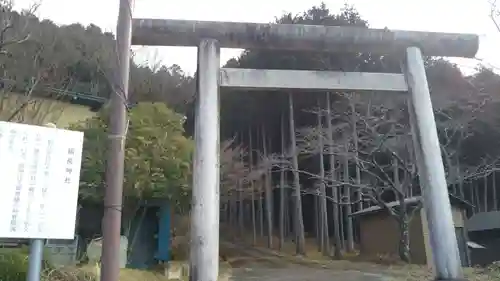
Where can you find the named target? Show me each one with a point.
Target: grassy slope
(41, 111)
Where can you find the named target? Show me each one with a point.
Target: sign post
(35, 260)
(40, 172)
(36, 249)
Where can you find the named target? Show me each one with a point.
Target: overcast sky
(466, 16)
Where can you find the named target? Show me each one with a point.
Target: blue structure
(163, 252)
(152, 243)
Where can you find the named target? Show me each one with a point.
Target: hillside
(42, 110)
(40, 58)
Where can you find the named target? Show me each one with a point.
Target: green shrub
(13, 264)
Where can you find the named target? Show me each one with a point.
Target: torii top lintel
(161, 32)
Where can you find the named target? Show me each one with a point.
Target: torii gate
(209, 37)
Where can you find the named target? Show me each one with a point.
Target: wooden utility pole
(111, 223)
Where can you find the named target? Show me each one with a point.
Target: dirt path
(300, 273)
(251, 263)
(254, 264)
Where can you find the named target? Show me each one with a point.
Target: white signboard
(39, 179)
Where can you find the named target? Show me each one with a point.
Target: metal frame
(211, 36)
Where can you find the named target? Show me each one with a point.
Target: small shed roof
(474, 245)
(483, 221)
(411, 201)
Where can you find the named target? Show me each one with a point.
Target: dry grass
(125, 274)
(391, 267)
(91, 273)
(180, 237)
(41, 111)
(396, 272)
(143, 275)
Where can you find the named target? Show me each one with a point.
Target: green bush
(13, 264)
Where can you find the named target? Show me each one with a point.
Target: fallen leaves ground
(240, 254)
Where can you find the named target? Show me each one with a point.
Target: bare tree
(283, 194)
(298, 219)
(252, 189)
(330, 145)
(28, 75)
(382, 153)
(323, 217)
(267, 182)
(494, 14)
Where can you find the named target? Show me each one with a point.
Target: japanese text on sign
(40, 170)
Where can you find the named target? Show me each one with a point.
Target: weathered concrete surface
(244, 35)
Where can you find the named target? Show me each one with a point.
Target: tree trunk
(298, 219)
(268, 195)
(260, 200)
(476, 193)
(261, 208)
(337, 241)
(404, 238)
(359, 193)
(495, 202)
(235, 208)
(324, 236)
(241, 196)
(354, 120)
(460, 180)
(246, 211)
(240, 209)
(341, 217)
(472, 197)
(485, 195)
(348, 210)
(229, 214)
(317, 220)
(409, 190)
(403, 218)
(404, 242)
(229, 210)
(252, 189)
(222, 213)
(288, 227)
(282, 187)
